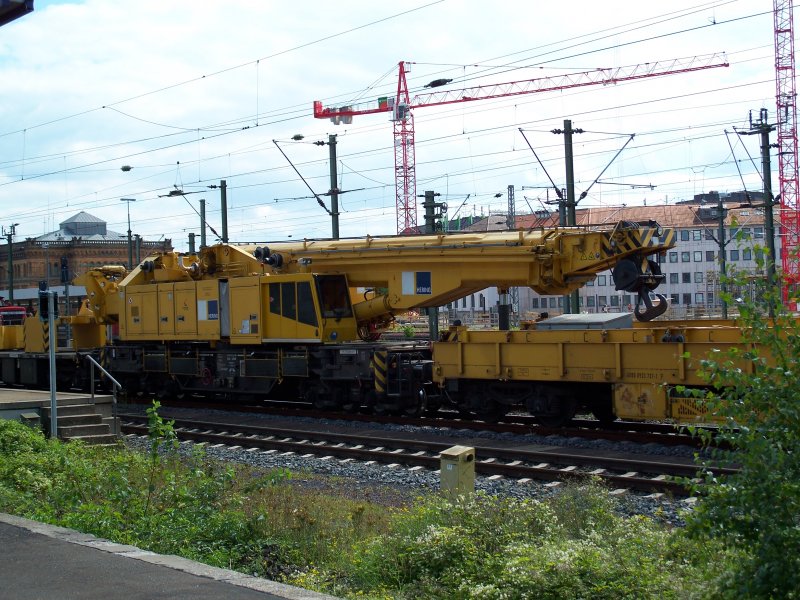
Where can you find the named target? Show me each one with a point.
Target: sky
(185, 97)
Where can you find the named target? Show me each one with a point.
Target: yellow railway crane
(404, 272)
(241, 320)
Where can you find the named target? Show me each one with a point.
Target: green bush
(486, 547)
(755, 511)
(159, 501)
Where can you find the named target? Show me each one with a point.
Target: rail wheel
(351, 400)
(604, 413)
(491, 411)
(418, 403)
(552, 407)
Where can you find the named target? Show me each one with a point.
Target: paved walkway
(40, 562)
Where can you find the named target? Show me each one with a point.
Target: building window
(747, 254)
(626, 298)
(710, 256)
(687, 299)
(590, 283)
(614, 300)
(590, 301)
(560, 301)
(686, 256)
(745, 233)
(601, 280)
(673, 278)
(699, 299)
(698, 256)
(686, 277)
(758, 232)
(709, 235)
(602, 301)
(684, 235)
(534, 303)
(733, 232)
(734, 255)
(673, 257)
(698, 277)
(710, 298)
(674, 299)
(697, 235)
(552, 302)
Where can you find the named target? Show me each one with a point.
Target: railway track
(630, 431)
(655, 475)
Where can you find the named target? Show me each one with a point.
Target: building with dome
(80, 243)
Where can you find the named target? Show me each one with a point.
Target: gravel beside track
(398, 485)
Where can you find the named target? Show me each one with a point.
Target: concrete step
(73, 431)
(70, 409)
(68, 420)
(100, 439)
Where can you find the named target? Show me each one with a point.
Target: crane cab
(256, 309)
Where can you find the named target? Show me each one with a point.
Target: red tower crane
(402, 104)
(786, 104)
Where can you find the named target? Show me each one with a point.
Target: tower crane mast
(786, 104)
(402, 105)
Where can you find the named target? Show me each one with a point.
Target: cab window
(305, 304)
(334, 297)
(288, 305)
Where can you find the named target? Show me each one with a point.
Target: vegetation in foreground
(757, 510)
(742, 540)
(574, 546)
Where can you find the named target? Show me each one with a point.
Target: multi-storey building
(81, 242)
(692, 268)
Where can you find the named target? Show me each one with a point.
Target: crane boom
(403, 272)
(402, 104)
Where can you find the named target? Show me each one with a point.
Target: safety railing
(116, 386)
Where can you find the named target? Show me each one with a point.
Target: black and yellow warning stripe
(632, 240)
(379, 370)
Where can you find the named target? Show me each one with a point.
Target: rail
(116, 386)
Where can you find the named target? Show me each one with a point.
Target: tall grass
(255, 521)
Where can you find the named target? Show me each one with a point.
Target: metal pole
(66, 299)
(223, 191)
(130, 244)
(191, 243)
(47, 263)
(138, 249)
(570, 300)
(769, 223)
(430, 228)
(130, 241)
(202, 223)
(52, 341)
(723, 284)
(334, 188)
(10, 270)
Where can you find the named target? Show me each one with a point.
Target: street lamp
(130, 242)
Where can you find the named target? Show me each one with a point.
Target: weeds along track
(653, 474)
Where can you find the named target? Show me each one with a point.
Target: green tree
(757, 510)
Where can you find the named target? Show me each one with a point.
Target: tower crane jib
(403, 104)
